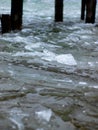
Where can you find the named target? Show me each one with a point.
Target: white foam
(44, 115)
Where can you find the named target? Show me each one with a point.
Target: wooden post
(5, 23)
(90, 11)
(94, 11)
(83, 6)
(58, 10)
(16, 14)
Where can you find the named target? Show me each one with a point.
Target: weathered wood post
(94, 11)
(58, 10)
(90, 11)
(83, 7)
(16, 14)
(5, 23)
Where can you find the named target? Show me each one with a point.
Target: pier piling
(14, 21)
(16, 14)
(5, 23)
(83, 7)
(58, 10)
(90, 11)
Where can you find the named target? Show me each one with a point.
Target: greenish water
(49, 71)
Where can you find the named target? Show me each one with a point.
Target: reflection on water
(49, 71)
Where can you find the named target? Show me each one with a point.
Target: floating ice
(16, 39)
(31, 47)
(11, 72)
(67, 59)
(27, 54)
(40, 129)
(16, 117)
(48, 55)
(69, 81)
(44, 115)
(82, 83)
(96, 42)
(94, 86)
(91, 64)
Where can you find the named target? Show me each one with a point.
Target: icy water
(49, 71)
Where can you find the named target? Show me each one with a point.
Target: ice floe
(82, 83)
(49, 56)
(16, 117)
(67, 59)
(44, 115)
(96, 86)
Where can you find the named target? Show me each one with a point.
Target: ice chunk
(16, 116)
(44, 115)
(67, 59)
(48, 55)
(27, 54)
(40, 129)
(82, 83)
(94, 86)
(31, 47)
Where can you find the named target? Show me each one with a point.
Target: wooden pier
(14, 20)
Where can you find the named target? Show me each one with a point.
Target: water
(49, 71)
